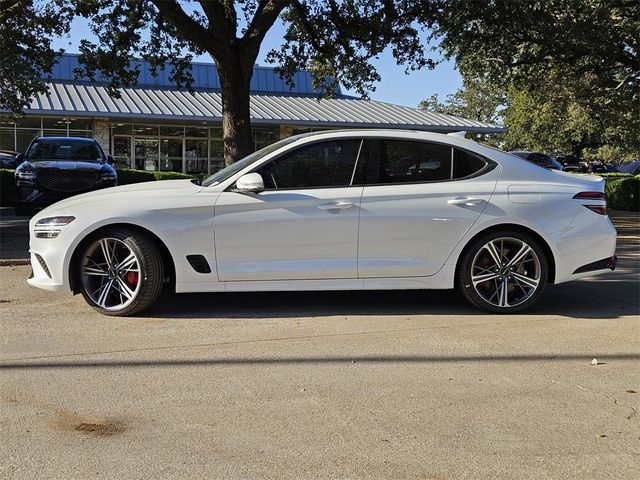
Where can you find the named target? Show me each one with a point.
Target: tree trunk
(236, 118)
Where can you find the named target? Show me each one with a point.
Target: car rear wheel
(121, 272)
(503, 272)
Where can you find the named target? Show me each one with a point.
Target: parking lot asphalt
(325, 385)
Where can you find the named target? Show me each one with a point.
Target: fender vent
(199, 263)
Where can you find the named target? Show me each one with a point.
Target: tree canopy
(568, 71)
(546, 51)
(335, 40)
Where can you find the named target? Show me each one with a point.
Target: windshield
(65, 150)
(225, 173)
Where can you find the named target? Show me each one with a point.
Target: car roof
(72, 139)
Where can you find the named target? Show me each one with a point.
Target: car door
(418, 201)
(303, 226)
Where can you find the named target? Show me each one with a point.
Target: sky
(395, 87)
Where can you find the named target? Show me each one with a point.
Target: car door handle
(336, 206)
(467, 201)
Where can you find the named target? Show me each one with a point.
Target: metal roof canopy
(78, 99)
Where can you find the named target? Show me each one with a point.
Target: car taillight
(586, 198)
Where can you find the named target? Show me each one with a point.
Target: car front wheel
(121, 272)
(503, 272)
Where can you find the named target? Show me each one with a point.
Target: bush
(623, 192)
(8, 191)
(127, 176)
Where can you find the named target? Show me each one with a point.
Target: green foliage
(128, 176)
(570, 69)
(591, 48)
(552, 118)
(478, 99)
(623, 192)
(26, 29)
(8, 192)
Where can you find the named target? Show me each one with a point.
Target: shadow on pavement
(366, 359)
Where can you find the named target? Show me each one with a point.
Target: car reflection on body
(342, 210)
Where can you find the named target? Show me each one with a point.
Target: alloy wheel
(111, 274)
(506, 272)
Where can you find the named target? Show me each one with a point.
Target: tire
(514, 283)
(120, 272)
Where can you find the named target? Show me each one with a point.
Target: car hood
(66, 165)
(130, 196)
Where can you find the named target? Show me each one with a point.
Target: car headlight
(26, 175)
(50, 227)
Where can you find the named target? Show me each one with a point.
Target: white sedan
(341, 210)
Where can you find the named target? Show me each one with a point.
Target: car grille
(67, 181)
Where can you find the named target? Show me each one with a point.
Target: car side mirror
(250, 183)
(110, 159)
(19, 159)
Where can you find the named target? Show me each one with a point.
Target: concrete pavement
(324, 385)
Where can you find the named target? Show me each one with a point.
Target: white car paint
(356, 237)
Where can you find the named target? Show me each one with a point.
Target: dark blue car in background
(54, 168)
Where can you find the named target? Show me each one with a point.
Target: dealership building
(157, 126)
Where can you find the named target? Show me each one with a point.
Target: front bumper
(42, 277)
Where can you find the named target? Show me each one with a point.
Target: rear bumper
(586, 248)
(604, 264)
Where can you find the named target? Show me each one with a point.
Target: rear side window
(466, 164)
(322, 164)
(399, 161)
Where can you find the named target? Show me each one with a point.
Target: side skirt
(442, 280)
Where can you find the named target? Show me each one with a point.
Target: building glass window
(121, 129)
(263, 137)
(80, 124)
(7, 135)
(122, 152)
(30, 122)
(146, 153)
(196, 154)
(216, 156)
(24, 137)
(171, 131)
(200, 132)
(57, 124)
(171, 154)
(145, 130)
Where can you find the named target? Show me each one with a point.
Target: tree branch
(264, 18)
(186, 26)
(222, 19)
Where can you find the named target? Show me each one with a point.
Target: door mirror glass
(110, 159)
(250, 183)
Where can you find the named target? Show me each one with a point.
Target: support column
(101, 134)
(285, 131)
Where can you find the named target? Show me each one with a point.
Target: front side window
(323, 164)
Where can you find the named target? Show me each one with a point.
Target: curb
(10, 262)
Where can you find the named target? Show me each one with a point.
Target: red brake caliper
(132, 278)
